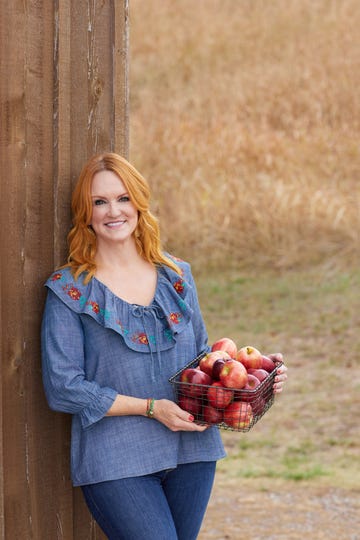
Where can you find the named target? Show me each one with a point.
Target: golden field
(245, 118)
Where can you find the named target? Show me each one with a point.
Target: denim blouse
(95, 346)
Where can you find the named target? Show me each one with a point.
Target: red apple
(212, 415)
(217, 367)
(249, 357)
(190, 404)
(260, 373)
(267, 363)
(227, 345)
(238, 415)
(207, 362)
(219, 396)
(233, 374)
(194, 382)
(252, 382)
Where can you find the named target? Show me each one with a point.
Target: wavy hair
(82, 239)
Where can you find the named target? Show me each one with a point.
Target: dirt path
(292, 513)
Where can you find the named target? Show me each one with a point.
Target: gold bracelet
(150, 407)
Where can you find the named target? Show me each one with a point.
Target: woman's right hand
(173, 417)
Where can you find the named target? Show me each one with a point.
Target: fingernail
(191, 418)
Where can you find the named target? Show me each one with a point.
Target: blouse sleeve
(63, 366)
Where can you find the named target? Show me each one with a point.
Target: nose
(114, 209)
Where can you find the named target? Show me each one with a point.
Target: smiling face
(114, 217)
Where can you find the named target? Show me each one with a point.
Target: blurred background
(245, 119)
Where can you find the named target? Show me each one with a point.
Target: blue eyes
(124, 198)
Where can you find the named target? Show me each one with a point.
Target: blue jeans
(167, 505)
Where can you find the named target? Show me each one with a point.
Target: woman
(120, 318)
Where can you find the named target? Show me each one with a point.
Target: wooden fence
(63, 95)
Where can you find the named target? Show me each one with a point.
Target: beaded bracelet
(150, 407)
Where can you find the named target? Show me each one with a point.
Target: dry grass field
(296, 473)
(245, 118)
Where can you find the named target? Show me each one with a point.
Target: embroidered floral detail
(179, 286)
(140, 337)
(175, 318)
(182, 304)
(94, 306)
(124, 331)
(105, 313)
(168, 334)
(73, 292)
(89, 300)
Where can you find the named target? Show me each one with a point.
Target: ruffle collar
(143, 328)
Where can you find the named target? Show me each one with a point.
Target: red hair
(82, 239)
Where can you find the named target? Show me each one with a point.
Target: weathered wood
(63, 96)
(13, 209)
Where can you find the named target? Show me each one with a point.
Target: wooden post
(63, 96)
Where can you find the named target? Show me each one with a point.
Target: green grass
(273, 309)
(313, 316)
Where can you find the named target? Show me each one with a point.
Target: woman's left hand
(281, 372)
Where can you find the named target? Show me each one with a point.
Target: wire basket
(228, 408)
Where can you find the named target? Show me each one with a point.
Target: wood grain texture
(63, 96)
